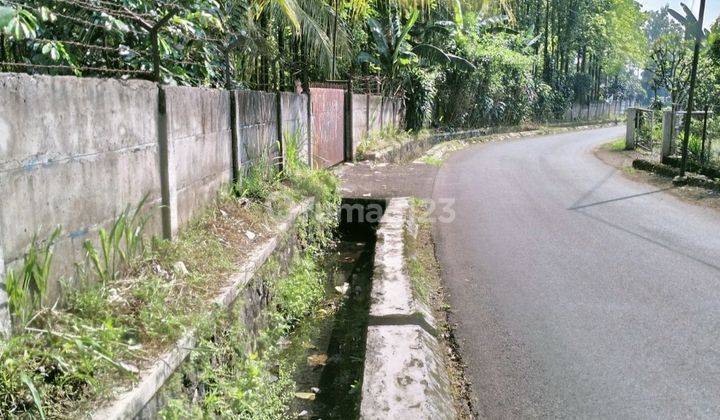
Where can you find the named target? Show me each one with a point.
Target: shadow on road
(612, 200)
(652, 241)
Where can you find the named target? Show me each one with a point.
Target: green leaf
(46, 15)
(410, 23)
(379, 37)
(365, 57)
(6, 15)
(35, 394)
(462, 63)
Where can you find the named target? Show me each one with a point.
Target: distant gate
(328, 124)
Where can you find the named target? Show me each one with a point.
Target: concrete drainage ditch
(369, 350)
(405, 376)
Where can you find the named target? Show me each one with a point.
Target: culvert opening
(332, 348)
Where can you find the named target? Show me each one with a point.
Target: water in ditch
(328, 348)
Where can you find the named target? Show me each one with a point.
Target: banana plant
(18, 23)
(394, 49)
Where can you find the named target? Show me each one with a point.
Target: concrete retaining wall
(375, 103)
(372, 113)
(73, 152)
(76, 152)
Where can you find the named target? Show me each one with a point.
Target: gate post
(630, 130)
(667, 134)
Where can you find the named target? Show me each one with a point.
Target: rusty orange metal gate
(328, 124)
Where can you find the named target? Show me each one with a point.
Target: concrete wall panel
(257, 127)
(73, 152)
(375, 113)
(295, 121)
(199, 140)
(359, 119)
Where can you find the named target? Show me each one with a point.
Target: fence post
(279, 117)
(235, 156)
(168, 210)
(5, 325)
(349, 140)
(630, 130)
(704, 135)
(309, 127)
(167, 173)
(667, 134)
(382, 111)
(367, 113)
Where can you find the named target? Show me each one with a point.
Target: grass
(116, 319)
(617, 145)
(237, 375)
(381, 139)
(432, 160)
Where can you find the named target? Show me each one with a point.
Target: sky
(712, 7)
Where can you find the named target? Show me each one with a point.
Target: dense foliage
(458, 63)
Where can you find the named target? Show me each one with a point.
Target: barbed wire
(118, 49)
(117, 13)
(75, 68)
(195, 52)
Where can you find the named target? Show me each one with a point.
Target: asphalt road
(579, 293)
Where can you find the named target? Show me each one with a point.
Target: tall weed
(27, 286)
(119, 245)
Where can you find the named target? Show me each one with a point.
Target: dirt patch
(383, 180)
(622, 160)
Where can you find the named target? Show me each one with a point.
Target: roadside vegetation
(134, 296)
(458, 64)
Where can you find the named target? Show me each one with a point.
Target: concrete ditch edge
(152, 379)
(405, 376)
